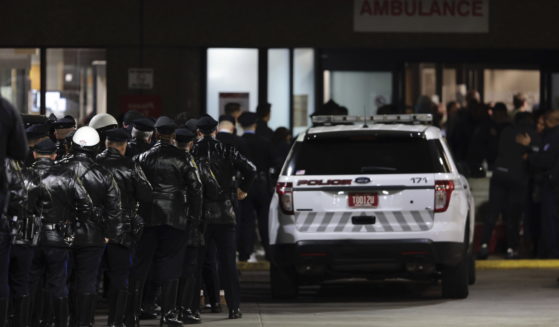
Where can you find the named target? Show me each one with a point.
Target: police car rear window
(366, 154)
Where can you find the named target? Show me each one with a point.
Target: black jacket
(105, 195)
(63, 201)
(259, 152)
(23, 202)
(262, 130)
(234, 140)
(136, 147)
(176, 197)
(546, 160)
(13, 144)
(61, 148)
(511, 164)
(218, 164)
(133, 186)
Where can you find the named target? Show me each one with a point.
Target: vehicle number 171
(419, 180)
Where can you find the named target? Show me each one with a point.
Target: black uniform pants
(85, 270)
(210, 273)
(549, 243)
(192, 269)
(254, 208)
(51, 265)
(223, 235)
(506, 199)
(21, 260)
(5, 245)
(118, 263)
(160, 246)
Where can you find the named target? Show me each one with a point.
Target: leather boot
(21, 311)
(46, 314)
(169, 312)
(60, 306)
(82, 307)
(133, 304)
(185, 301)
(3, 312)
(118, 308)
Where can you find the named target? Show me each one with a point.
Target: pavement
(501, 297)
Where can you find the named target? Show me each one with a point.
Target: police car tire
(283, 282)
(455, 280)
(472, 267)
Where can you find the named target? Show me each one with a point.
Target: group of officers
(149, 205)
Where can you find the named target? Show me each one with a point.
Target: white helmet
(102, 120)
(86, 136)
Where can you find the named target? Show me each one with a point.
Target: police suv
(374, 197)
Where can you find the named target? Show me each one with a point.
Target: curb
(480, 264)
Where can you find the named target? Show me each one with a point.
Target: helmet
(86, 137)
(102, 120)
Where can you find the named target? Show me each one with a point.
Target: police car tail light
(285, 193)
(443, 191)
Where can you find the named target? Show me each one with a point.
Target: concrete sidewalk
(521, 297)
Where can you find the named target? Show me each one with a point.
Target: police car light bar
(376, 119)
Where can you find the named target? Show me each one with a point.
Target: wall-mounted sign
(148, 105)
(140, 78)
(421, 16)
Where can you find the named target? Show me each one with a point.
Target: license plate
(363, 200)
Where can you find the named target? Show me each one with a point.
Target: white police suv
(377, 197)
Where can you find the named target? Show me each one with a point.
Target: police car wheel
(455, 280)
(283, 282)
(472, 269)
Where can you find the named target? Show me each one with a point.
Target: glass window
(278, 87)
(303, 88)
(500, 85)
(76, 83)
(20, 78)
(450, 88)
(361, 92)
(232, 77)
(366, 154)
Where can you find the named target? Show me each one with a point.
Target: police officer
(35, 134)
(264, 113)
(546, 162)
(13, 144)
(24, 226)
(128, 119)
(133, 187)
(226, 134)
(92, 233)
(62, 199)
(218, 164)
(63, 127)
(189, 283)
(176, 202)
(256, 206)
(142, 133)
(101, 123)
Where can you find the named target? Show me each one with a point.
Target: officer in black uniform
(142, 133)
(218, 164)
(24, 225)
(189, 283)
(255, 207)
(62, 198)
(176, 202)
(13, 144)
(128, 119)
(226, 134)
(63, 127)
(35, 134)
(264, 113)
(134, 187)
(92, 233)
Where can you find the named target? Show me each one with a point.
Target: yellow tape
(517, 264)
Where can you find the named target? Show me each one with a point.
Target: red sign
(148, 105)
